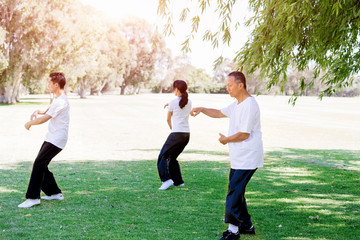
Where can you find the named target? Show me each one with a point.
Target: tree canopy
(41, 36)
(322, 35)
(295, 48)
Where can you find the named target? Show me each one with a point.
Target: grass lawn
(292, 197)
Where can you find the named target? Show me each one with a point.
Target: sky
(202, 54)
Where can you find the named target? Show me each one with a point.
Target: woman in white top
(178, 120)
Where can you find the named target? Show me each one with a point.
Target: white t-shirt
(245, 117)
(180, 117)
(59, 122)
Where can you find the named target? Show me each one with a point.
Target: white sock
(233, 228)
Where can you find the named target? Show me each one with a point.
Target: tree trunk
(82, 87)
(82, 93)
(2, 95)
(122, 89)
(94, 92)
(105, 88)
(11, 90)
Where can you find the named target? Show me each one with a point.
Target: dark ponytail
(184, 99)
(182, 87)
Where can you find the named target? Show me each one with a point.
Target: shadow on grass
(340, 159)
(308, 194)
(116, 200)
(191, 151)
(289, 198)
(24, 103)
(203, 152)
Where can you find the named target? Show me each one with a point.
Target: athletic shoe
(250, 230)
(29, 203)
(58, 196)
(165, 185)
(228, 235)
(181, 185)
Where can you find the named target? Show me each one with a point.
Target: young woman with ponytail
(178, 121)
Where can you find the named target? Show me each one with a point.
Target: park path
(112, 127)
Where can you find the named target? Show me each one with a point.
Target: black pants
(167, 164)
(41, 178)
(236, 211)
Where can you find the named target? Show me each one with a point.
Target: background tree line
(98, 54)
(95, 53)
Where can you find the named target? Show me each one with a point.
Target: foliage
(117, 52)
(144, 43)
(3, 59)
(292, 86)
(220, 76)
(81, 64)
(163, 74)
(288, 34)
(197, 79)
(94, 52)
(119, 199)
(99, 54)
(28, 43)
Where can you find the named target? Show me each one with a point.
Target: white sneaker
(181, 185)
(165, 185)
(29, 203)
(58, 196)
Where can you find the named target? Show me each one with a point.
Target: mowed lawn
(308, 188)
(288, 199)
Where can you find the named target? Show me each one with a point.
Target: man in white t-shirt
(245, 152)
(55, 140)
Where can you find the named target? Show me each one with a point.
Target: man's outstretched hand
(27, 125)
(195, 111)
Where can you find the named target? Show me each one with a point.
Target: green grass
(299, 194)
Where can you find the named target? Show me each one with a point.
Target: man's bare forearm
(237, 137)
(40, 120)
(214, 113)
(42, 112)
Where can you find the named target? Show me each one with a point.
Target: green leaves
(213, 38)
(195, 23)
(294, 34)
(203, 5)
(183, 14)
